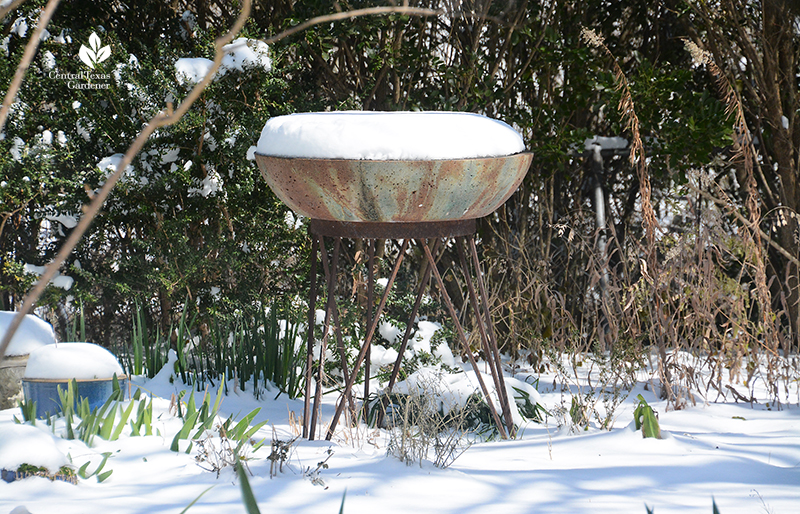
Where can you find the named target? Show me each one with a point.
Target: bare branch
(728, 204)
(9, 8)
(27, 57)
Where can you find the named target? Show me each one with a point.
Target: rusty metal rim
(326, 159)
(393, 229)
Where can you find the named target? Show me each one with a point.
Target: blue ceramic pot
(45, 392)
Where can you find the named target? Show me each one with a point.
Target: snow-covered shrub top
(388, 136)
(65, 361)
(32, 333)
(25, 444)
(241, 54)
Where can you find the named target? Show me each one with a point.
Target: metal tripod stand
(462, 233)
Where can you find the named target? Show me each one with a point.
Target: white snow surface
(388, 136)
(33, 333)
(243, 53)
(744, 456)
(191, 70)
(63, 281)
(68, 220)
(64, 361)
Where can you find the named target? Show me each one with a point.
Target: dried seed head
(699, 56)
(592, 38)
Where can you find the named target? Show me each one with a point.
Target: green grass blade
(255, 428)
(148, 419)
(240, 428)
(108, 423)
(123, 420)
(188, 425)
(248, 497)
(82, 471)
(191, 408)
(196, 499)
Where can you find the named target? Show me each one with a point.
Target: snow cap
(65, 361)
(379, 136)
(32, 333)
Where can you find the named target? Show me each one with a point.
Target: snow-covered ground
(746, 457)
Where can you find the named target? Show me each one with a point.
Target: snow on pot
(52, 367)
(32, 333)
(384, 167)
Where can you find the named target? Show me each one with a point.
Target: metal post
(370, 293)
(310, 340)
(367, 341)
(330, 305)
(463, 338)
(337, 327)
(490, 327)
(487, 341)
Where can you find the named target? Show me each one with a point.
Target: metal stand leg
(463, 232)
(463, 338)
(310, 340)
(370, 293)
(492, 337)
(367, 342)
(336, 325)
(488, 342)
(330, 306)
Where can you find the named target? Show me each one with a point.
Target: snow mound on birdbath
(24, 444)
(383, 136)
(32, 333)
(65, 361)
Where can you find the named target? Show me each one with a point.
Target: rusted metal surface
(388, 230)
(394, 191)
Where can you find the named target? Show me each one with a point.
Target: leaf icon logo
(94, 54)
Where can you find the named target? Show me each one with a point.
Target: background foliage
(169, 245)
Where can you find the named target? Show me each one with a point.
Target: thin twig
(369, 11)
(731, 209)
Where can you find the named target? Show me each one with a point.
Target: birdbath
(394, 175)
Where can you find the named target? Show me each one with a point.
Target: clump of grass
(257, 348)
(107, 421)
